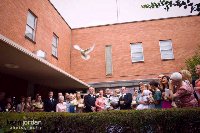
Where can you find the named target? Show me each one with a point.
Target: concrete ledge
(117, 84)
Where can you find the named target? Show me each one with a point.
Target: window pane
(166, 49)
(166, 42)
(166, 52)
(108, 60)
(54, 48)
(29, 32)
(54, 51)
(137, 57)
(168, 56)
(31, 20)
(137, 52)
(136, 48)
(55, 45)
(54, 41)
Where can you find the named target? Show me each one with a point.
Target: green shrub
(192, 62)
(132, 121)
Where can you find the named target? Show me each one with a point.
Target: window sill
(30, 39)
(109, 76)
(123, 75)
(54, 56)
(138, 62)
(167, 59)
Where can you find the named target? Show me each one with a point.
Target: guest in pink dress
(184, 91)
(100, 102)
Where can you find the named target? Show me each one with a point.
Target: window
(166, 50)
(55, 45)
(108, 54)
(137, 52)
(31, 26)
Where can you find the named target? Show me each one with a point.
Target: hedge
(130, 121)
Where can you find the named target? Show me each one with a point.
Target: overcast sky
(85, 13)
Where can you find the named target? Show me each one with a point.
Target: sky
(86, 13)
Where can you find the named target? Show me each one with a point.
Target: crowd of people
(174, 91)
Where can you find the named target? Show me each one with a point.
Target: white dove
(84, 53)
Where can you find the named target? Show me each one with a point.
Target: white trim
(27, 52)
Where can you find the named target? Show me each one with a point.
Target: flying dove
(84, 53)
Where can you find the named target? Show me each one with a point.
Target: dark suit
(50, 105)
(127, 101)
(2, 106)
(89, 101)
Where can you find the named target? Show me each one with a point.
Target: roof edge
(27, 52)
(134, 22)
(59, 14)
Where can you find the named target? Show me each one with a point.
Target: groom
(50, 103)
(89, 101)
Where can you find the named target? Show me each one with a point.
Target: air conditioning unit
(40, 54)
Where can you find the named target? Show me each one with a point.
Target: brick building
(161, 46)
(124, 54)
(30, 29)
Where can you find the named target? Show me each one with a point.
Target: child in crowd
(147, 98)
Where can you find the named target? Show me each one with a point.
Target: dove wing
(87, 51)
(78, 48)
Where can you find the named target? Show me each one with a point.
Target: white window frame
(32, 28)
(171, 49)
(108, 74)
(142, 52)
(55, 47)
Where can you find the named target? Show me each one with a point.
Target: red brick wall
(13, 14)
(184, 33)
